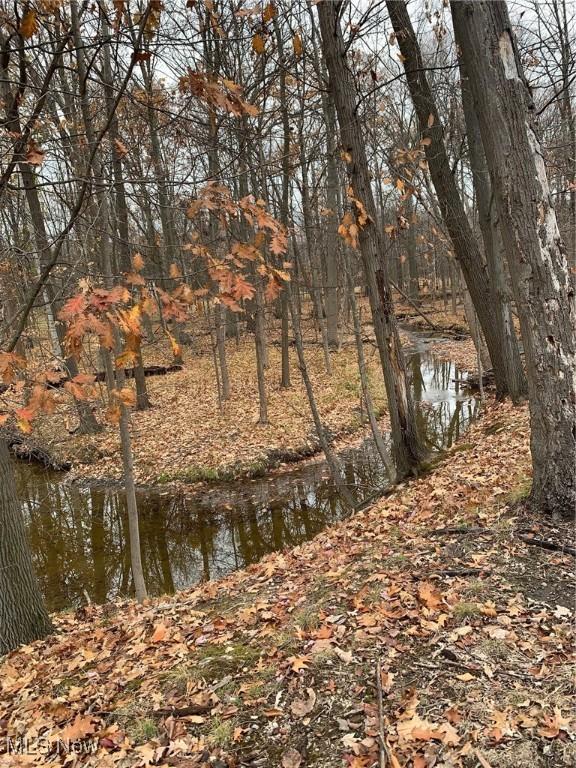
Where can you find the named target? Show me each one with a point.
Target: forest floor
(435, 586)
(186, 438)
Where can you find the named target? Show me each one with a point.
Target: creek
(79, 535)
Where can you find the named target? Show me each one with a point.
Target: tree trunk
(534, 249)
(463, 239)
(377, 435)
(407, 446)
(312, 256)
(131, 503)
(332, 240)
(260, 341)
(331, 458)
(284, 206)
(23, 617)
(220, 327)
(414, 282)
(515, 379)
(119, 207)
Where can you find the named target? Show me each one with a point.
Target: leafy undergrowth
(276, 665)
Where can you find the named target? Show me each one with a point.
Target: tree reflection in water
(79, 535)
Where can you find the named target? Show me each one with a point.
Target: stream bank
(79, 533)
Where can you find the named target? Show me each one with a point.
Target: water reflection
(79, 535)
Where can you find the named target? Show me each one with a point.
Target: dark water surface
(79, 535)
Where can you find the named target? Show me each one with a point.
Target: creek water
(79, 535)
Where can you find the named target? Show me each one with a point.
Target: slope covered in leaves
(467, 624)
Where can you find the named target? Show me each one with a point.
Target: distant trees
(488, 302)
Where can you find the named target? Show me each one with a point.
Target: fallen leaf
(303, 707)
(159, 633)
(79, 729)
(291, 758)
(345, 656)
(429, 595)
(298, 662)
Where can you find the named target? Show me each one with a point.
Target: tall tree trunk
(220, 328)
(212, 57)
(315, 272)
(131, 503)
(120, 209)
(332, 240)
(414, 282)
(568, 120)
(407, 446)
(23, 617)
(260, 341)
(515, 379)
(364, 383)
(463, 239)
(535, 252)
(284, 206)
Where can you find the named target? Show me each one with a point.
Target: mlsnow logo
(44, 745)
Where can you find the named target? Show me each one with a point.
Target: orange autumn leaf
(298, 662)
(29, 24)
(34, 155)
(137, 262)
(79, 729)
(126, 396)
(258, 44)
(297, 45)
(160, 632)
(429, 595)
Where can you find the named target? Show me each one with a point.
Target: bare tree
(536, 257)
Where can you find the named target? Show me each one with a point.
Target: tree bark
(414, 281)
(131, 503)
(284, 206)
(332, 249)
(331, 458)
(465, 245)
(260, 343)
(23, 616)
(535, 252)
(365, 385)
(515, 379)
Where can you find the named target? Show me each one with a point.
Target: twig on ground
(459, 529)
(456, 572)
(544, 544)
(482, 760)
(385, 758)
(193, 709)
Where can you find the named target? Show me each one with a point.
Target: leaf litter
(276, 665)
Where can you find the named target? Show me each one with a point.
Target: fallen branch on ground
(545, 544)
